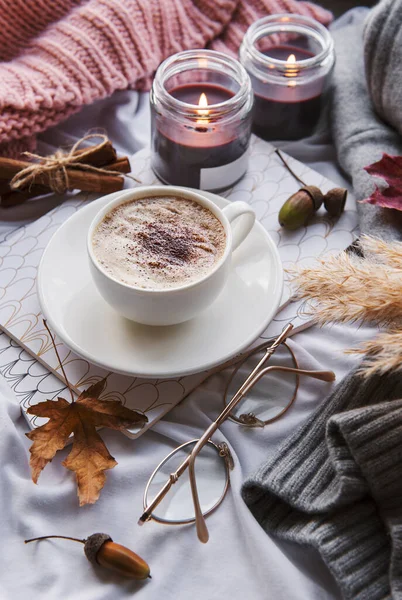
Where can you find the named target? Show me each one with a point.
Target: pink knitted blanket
(57, 56)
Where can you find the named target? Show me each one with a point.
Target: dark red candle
(199, 156)
(201, 104)
(290, 116)
(289, 59)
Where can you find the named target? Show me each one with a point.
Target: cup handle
(241, 218)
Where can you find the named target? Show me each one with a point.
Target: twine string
(55, 166)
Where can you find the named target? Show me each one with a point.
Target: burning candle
(290, 59)
(291, 68)
(203, 110)
(201, 104)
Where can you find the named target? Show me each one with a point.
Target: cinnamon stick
(15, 198)
(77, 180)
(104, 156)
(99, 156)
(121, 165)
(10, 167)
(10, 197)
(4, 187)
(89, 182)
(105, 184)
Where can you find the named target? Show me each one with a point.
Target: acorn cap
(93, 544)
(334, 201)
(316, 195)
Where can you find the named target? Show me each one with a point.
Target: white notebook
(27, 359)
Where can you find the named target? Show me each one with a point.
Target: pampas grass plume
(346, 288)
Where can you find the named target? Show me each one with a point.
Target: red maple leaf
(389, 168)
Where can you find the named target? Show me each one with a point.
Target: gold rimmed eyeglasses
(192, 481)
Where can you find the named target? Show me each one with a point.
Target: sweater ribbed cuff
(333, 484)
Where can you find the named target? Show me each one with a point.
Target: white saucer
(91, 328)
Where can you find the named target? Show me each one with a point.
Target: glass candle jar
(290, 59)
(201, 103)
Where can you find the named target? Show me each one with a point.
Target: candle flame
(203, 111)
(291, 69)
(203, 104)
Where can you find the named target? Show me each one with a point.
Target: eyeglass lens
(272, 394)
(212, 481)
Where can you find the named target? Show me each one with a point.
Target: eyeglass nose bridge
(251, 420)
(225, 453)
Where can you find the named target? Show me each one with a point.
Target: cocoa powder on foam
(159, 242)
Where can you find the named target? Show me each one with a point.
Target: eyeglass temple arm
(201, 526)
(202, 530)
(321, 375)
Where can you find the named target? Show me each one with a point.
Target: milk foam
(159, 242)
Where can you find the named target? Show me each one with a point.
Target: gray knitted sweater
(360, 134)
(336, 484)
(383, 60)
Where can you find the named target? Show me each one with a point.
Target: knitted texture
(383, 60)
(336, 484)
(62, 55)
(360, 135)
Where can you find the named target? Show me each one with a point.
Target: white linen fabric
(240, 561)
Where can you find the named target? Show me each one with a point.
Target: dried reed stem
(347, 288)
(383, 354)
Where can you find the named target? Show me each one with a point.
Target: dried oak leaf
(388, 168)
(89, 458)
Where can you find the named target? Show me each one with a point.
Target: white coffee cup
(172, 305)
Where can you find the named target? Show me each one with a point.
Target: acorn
(101, 550)
(300, 207)
(335, 200)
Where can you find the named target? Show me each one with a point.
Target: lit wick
(291, 69)
(203, 111)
